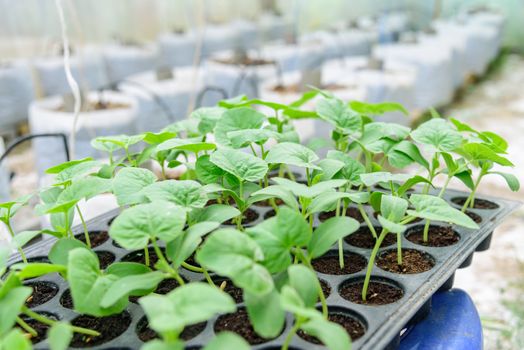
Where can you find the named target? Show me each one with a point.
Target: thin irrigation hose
(69, 76)
(205, 90)
(241, 77)
(22, 139)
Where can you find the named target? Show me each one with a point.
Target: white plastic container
(16, 91)
(45, 117)
(123, 61)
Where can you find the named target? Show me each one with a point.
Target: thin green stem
(290, 335)
(20, 250)
(50, 322)
(340, 254)
(367, 221)
(471, 197)
(399, 248)
(166, 264)
(425, 235)
(86, 232)
(26, 327)
(321, 295)
(208, 278)
(443, 189)
(192, 268)
(371, 262)
(253, 149)
(146, 256)
(308, 177)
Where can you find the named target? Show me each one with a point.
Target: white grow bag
(87, 69)
(45, 118)
(176, 50)
(295, 57)
(16, 92)
(124, 61)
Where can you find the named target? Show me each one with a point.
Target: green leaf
(292, 154)
(237, 119)
(240, 164)
(275, 191)
(329, 232)
(88, 285)
(371, 179)
(11, 305)
(135, 226)
(328, 201)
(85, 188)
(15, 339)
(408, 150)
(216, 212)
(332, 335)
(131, 285)
(22, 238)
(242, 138)
(122, 141)
(439, 134)
(329, 168)
(227, 341)
(104, 146)
(265, 313)
(233, 254)
(435, 208)
(393, 208)
(305, 282)
(511, 180)
(337, 113)
(59, 336)
(352, 168)
(480, 152)
(59, 253)
(60, 167)
(186, 305)
(377, 108)
(412, 182)
(301, 190)
(185, 193)
(128, 184)
(32, 270)
(466, 179)
(123, 269)
(391, 226)
(206, 171)
(292, 302)
(181, 248)
(155, 138)
(208, 117)
(194, 145)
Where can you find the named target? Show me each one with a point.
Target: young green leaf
(194, 145)
(339, 114)
(371, 179)
(227, 341)
(206, 171)
(377, 108)
(292, 154)
(327, 201)
(437, 209)
(511, 180)
(136, 285)
(59, 253)
(265, 313)
(10, 306)
(15, 339)
(244, 166)
(216, 213)
(208, 117)
(393, 208)
(332, 335)
(305, 282)
(439, 134)
(275, 191)
(233, 254)
(128, 184)
(480, 152)
(185, 193)
(136, 226)
(59, 336)
(237, 119)
(329, 232)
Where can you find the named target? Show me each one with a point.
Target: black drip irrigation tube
(207, 89)
(23, 139)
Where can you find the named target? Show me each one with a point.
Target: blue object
(453, 324)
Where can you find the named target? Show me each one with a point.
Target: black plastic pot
(383, 324)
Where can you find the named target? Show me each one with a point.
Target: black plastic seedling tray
(383, 324)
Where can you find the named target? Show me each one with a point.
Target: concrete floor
(495, 104)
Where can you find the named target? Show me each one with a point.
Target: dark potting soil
(66, 300)
(438, 236)
(43, 291)
(191, 260)
(249, 216)
(105, 258)
(413, 261)
(163, 287)
(475, 217)
(95, 237)
(478, 204)
(350, 212)
(330, 265)
(138, 256)
(363, 238)
(267, 202)
(109, 328)
(353, 327)
(233, 291)
(146, 334)
(379, 293)
(239, 323)
(269, 214)
(39, 327)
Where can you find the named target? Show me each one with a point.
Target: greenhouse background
(143, 65)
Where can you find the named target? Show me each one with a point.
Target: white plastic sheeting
(44, 117)
(87, 69)
(176, 49)
(339, 44)
(175, 94)
(294, 57)
(16, 91)
(4, 178)
(122, 61)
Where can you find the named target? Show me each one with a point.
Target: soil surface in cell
(43, 291)
(363, 238)
(239, 323)
(146, 334)
(163, 287)
(267, 202)
(105, 259)
(478, 204)
(40, 328)
(351, 212)
(66, 300)
(109, 328)
(353, 327)
(413, 261)
(248, 217)
(379, 293)
(439, 236)
(269, 214)
(139, 257)
(233, 291)
(96, 238)
(475, 217)
(329, 264)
